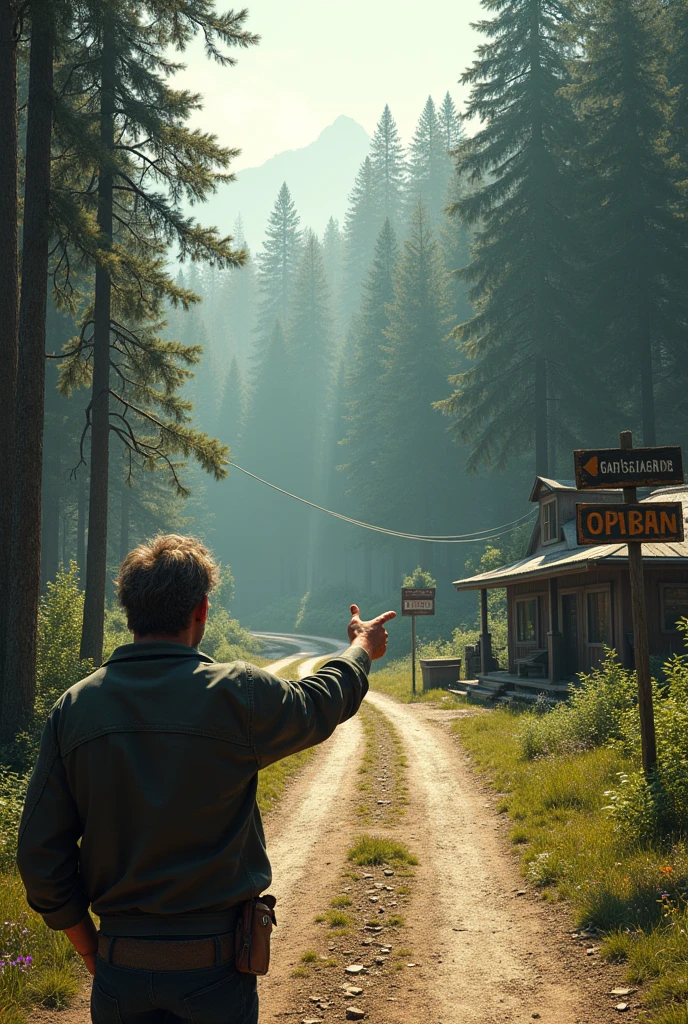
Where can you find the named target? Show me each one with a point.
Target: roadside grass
(371, 851)
(635, 895)
(273, 779)
(339, 902)
(36, 965)
(339, 920)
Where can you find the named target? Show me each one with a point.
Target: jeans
(209, 995)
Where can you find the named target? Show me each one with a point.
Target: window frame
(547, 504)
(528, 599)
(662, 607)
(607, 590)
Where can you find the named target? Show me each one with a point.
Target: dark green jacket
(152, 762)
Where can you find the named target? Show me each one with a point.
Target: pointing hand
(372, 635)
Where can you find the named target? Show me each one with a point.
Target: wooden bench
(537, 660)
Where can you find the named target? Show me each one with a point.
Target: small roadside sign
(418, 600)
(598, 468)
(646, 523)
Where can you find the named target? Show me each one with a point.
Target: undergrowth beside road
(572, 849)
(273, 779)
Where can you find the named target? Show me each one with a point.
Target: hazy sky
(321, 58)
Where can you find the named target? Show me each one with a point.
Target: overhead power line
(462, 538)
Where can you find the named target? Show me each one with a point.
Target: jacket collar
(155, 649)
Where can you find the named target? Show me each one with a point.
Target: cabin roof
(567, 556)
(544, 484)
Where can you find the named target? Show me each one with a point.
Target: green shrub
(596, 712)
(226, 640)
(59, 638)
(656, 808)
(12, 793)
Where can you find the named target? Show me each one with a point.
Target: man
(142, 804)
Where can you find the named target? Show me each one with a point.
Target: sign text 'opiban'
(646, 523)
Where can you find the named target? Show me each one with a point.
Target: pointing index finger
(385, 617)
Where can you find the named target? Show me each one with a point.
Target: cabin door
(569, 624)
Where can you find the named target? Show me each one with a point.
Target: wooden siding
(616, 581)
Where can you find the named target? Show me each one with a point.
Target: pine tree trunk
(25, 539)
(541, 445)
(52, 475)
(124, 507)
(81, 528)
(9, 287)
(52, 470)
(646, 371)
(96, 558)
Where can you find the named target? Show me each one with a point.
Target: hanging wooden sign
(646, 523)
(598, 468)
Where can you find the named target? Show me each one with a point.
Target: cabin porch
(502, 686)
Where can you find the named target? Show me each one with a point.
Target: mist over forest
(401, 330)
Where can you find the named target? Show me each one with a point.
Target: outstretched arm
(290, 716)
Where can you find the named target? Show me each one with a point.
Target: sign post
(634, 524)
(416, 601)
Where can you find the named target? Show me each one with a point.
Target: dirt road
(485, 949)
(459, 939)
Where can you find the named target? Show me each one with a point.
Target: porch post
(555, 640)
(485, 636)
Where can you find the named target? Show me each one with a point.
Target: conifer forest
(507, 283)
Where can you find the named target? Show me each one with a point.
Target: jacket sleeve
(48, 848)
(290, 716)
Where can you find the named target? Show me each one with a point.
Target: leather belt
(166, 954)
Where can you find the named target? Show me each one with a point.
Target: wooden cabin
(567, 603)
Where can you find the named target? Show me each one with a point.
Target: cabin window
(550, 530)
(526, 621)
(674, 607)
(599, 617)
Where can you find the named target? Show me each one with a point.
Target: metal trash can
(438, 673)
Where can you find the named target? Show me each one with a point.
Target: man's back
(154, 759)
(142, 805)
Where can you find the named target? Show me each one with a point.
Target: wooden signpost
(633, 524)
(416, 601)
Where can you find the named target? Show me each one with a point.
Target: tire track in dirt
(307, 836)
(489, 956)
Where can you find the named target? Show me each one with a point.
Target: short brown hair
(161, 582)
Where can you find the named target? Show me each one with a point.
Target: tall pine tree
(360, 452)
(523, 270)
(277, 262)
(332, 254)
(364, 411)
(635, 209)
(428, 170)
(360, 232)
(311, 350)
(389, 169)
(450, 124)
(417, 462)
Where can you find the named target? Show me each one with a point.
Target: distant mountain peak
(319, 176)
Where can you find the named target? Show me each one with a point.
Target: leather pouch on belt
(253, 935)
